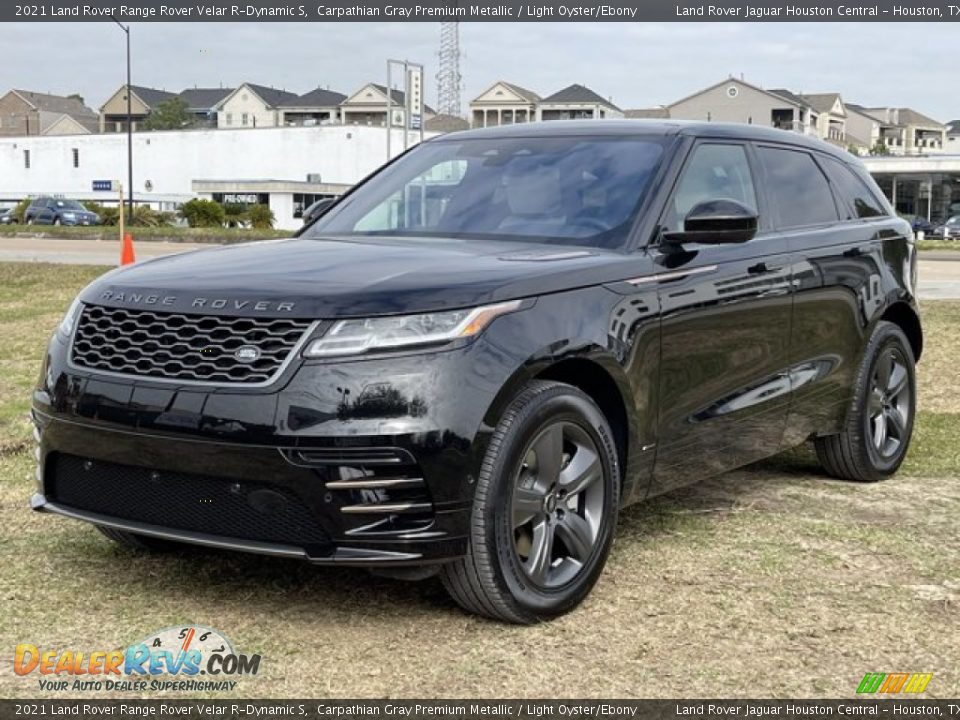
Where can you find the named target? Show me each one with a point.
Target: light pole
(126, 30)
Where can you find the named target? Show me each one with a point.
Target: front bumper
(364, 463)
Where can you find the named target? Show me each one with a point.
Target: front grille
(175, 346)
(241, 510)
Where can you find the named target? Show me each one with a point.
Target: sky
(635, 64)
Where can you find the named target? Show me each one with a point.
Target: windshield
(70, 205)
(954, 221)
(571, 190)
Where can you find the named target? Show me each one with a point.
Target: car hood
(339, 277)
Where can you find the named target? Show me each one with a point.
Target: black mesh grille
(175, 346)
(241, 510)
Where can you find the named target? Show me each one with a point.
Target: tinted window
(853, 191)
(714, 172)
(797, 188)
(576, 190)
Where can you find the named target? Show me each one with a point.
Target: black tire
(140, 543)
(56, 221)
(29, 221)
(493, 579)
(855, 453)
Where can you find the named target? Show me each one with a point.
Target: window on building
(243, 119)
(26, 159)
(76, 157)
(858, 200)
(229, 118)
(798, 188)
(301, 201)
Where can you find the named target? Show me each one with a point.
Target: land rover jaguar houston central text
(469, 363)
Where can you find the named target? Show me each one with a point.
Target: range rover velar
(472, 360)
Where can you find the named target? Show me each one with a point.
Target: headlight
(355, 337)
(69, 321)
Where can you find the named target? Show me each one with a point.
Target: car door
(836, 229)
(725, 328)
(47, 212)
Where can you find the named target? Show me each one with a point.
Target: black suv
(58, 211)
(470, 362)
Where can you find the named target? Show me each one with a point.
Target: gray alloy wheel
(875, 438)
(545, 509)
(557, 504)
(890, 404)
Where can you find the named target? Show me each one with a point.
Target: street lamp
(126, 30)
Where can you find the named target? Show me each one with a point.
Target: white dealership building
(285, 168)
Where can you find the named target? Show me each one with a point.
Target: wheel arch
(906, 318)
(599, 378)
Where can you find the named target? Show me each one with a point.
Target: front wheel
(874, 441)
(545, 509)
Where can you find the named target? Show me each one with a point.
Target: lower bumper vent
(242, 510)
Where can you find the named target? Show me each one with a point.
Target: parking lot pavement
(939, 271)
(940, 276)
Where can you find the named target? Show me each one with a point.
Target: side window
(853, 191)
(797, 188)
(713, 172)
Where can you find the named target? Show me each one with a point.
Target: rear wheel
(877, 433)
(139, 543)
(56, 221)
(545, 509)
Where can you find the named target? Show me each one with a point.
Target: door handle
(761, 267)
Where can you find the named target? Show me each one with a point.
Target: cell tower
(448, 76)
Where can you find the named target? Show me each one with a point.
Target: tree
(879, 148)
(202, 213)
(261, 217)
(20, 209)
(172, 114)
(235, 214)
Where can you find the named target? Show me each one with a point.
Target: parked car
(921, 224)
(7, 217)
(950, 230)
(58, 211)
(470, 372)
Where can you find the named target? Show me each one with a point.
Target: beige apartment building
(503, 103)
(24, 112)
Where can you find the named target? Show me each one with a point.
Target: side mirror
(716, 222)
(316, 210)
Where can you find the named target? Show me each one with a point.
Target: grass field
(770, 581)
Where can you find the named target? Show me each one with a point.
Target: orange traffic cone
(126, 251)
